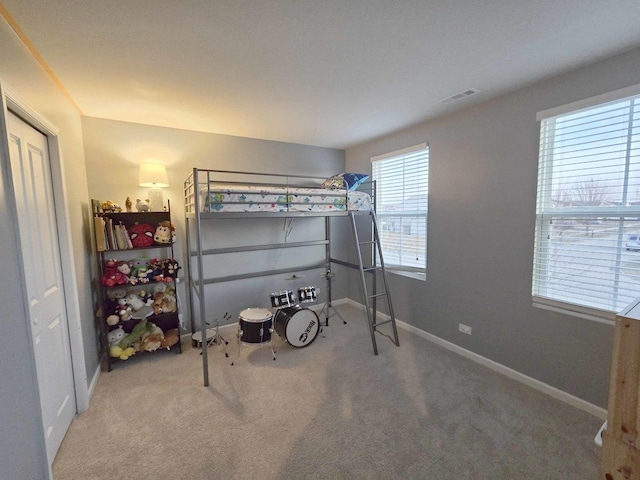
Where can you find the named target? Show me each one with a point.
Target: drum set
(297, 325)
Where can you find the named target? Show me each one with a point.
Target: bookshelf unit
(136, 284)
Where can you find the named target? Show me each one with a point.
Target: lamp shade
(153, 175)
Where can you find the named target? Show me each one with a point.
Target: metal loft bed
(218, 194)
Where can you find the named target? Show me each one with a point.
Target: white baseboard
(498, 367)
(94, 381)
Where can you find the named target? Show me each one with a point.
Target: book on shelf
(111, 237)
(123, 241)
(99, 226)
(126, 236)
(119, 236)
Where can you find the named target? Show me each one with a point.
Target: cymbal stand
(328, 307)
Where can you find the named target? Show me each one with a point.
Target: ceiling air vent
(460, 96)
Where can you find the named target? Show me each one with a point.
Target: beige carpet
(330, 410)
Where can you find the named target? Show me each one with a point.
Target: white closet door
(31, 173)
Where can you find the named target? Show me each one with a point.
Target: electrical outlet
(464, 328)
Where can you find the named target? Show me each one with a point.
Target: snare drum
(255, 326)
(307, 294)
(298, 325)
(196, 338)
(282, 299)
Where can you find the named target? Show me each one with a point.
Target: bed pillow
(350, 181)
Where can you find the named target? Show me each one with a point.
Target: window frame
(418, 273)
(544, 212)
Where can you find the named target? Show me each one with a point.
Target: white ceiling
(331, 73)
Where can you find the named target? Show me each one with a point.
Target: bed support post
(201, 297)
(328, 276)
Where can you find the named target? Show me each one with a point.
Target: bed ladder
(370, 300)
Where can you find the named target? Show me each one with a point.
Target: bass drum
(299, 326)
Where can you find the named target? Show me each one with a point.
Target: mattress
(251, 198)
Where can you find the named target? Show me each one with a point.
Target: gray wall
(22, 453)
(483, 173)
(115, 149)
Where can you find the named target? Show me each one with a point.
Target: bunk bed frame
(295, 196)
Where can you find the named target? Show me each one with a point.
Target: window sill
(593, 314)
(414, 275)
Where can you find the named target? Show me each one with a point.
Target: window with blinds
(402, 187)
(587, 239)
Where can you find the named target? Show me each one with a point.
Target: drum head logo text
(305, 334)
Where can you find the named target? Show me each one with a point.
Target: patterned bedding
(246, 198)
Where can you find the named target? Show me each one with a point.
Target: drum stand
(273, 351)
(327, 307)
(217, 339)
(239, 342)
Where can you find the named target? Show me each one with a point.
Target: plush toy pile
(144, 337)
(125, 304)
(138, 303)
(139, 270)
(138, 289)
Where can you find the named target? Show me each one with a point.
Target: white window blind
(402, 187)
(587, 240)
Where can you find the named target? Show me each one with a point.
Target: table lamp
(154, 176)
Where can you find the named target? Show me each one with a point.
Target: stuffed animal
(122, 354)
(165, 233)
(136, 334)
(143, 274)
(155, 273)
(138, 263)
(152, 339)
(109, 207)
(110, 272)
(113, 320)
(139, 308)
(124, 310)
(142, 205)
(141, 235)
(124, 272)
(163, 303)
(144, 296)
(160, 287)
(135, 301)
(116, 294)
(170, 270)
(171, 337)
(115, 336)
